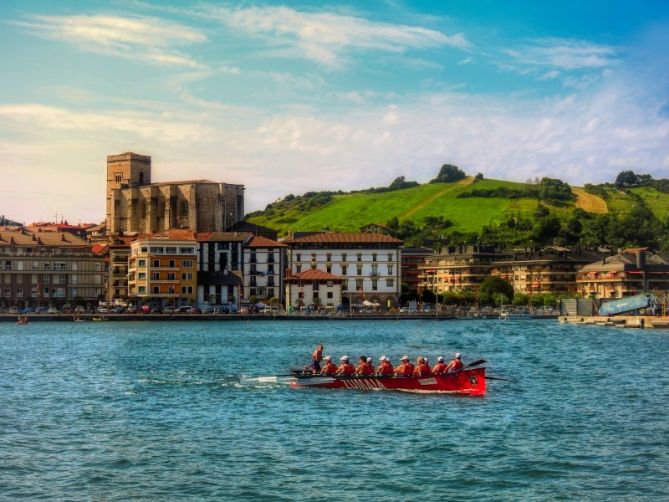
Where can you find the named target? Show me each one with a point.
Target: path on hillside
(410, 212)
(589, 202)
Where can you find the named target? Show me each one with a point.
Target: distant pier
(622, 321)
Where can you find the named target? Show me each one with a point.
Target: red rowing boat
(467, 382)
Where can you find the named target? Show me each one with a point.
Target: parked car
(13, 310)
(41, 310)
(131, 309)
(207, 309)
(118, 310)
(186, 309)
(156, 310)
(102, 310)
(146, 309)
(168, 310)
(52, 310)
(28, 310)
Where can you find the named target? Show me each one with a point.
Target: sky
(302, 96)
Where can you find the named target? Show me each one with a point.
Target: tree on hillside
(554, 189)
(626, 179)
(448, 174)
(494, 290)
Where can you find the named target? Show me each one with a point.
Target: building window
(298, 257)
(141, 263)
(155, 276)
(145, 250)
(141, 276)
(313, 256)
(187, 277)
(344, 286)
(343, 257)
(390, 270)
(171, 276)
(156, 263)
(328, 257)
(142, 289)
(375, 285)
(390, 257)
(373, 256)
(118, 177)
(390, 283)
(375, 270)
(359, 269)
(170, 290)
(328, 269)
(186, 263)
(330, 295)
(187, 250)
(156, 290)
(358, 284)
(298, 268)
(359, 256)
(171, 250)
(300, 294)
(7, 293)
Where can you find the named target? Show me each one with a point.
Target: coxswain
(440, 367)
(364, 368)
(316, 359)
(405, 369)
(329, 368)
(345, 367)
(455, 364)
(422, 368)
(385, 367)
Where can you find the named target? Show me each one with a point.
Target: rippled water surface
(157, 411)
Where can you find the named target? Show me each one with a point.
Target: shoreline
(256, 317)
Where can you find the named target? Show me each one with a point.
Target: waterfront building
(264, 269)
(221, 267)
(549, 270)
(458, 268)
(116, 253)
(412, 259)
(162, 268)
(48, 268)
(313, 288)
(368, 263)
(135, 204)
(630, 272)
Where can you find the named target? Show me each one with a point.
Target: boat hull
(469, 382)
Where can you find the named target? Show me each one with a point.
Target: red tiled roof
(174, 234)
(345, 238)
(99, 248)
(313, 274)
(263, 242)
(222, 236)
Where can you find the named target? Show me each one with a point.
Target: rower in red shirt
(455, 364)
(405, 369)
(329, 368)
(385, 368)
(422, 368)
(345, 367)
(440, 367)
(364, 368)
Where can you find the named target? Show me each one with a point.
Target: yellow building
(163, 268)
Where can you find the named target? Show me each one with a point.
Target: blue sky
(292, 97)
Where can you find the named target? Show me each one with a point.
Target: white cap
(404, 358)
(369, 359)
(382, 358)
(343, 358)
(458, 355)
(440, 359)
(327, 358)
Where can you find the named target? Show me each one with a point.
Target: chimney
(62, 238)
(641, 259)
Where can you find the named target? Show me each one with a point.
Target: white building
(264, 269)
(369, 264)
(313, 287)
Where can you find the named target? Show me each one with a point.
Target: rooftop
(313, 274)
(345, 238)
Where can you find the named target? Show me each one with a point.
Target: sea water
(158, 411)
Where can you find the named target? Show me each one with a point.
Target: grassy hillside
(350, 211)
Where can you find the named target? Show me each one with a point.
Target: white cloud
(325, 37)
(563, 53)
(144, 39)
(549, 75)
(466, 61)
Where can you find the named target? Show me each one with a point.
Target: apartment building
(264, 269)
(368, 263)
(313, 288)
(162, 268)
(221, 267)
(43, 268)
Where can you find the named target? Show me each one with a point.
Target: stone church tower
(134, 204)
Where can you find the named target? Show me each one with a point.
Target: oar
(479, 362)
(498, 378)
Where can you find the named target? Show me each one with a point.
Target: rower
(440, 367)
(405, 369)
(329, 368)
(316, 359)
(345, 367)
(422, 368)
(385, 368)
(455, 364)
(364, 368)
